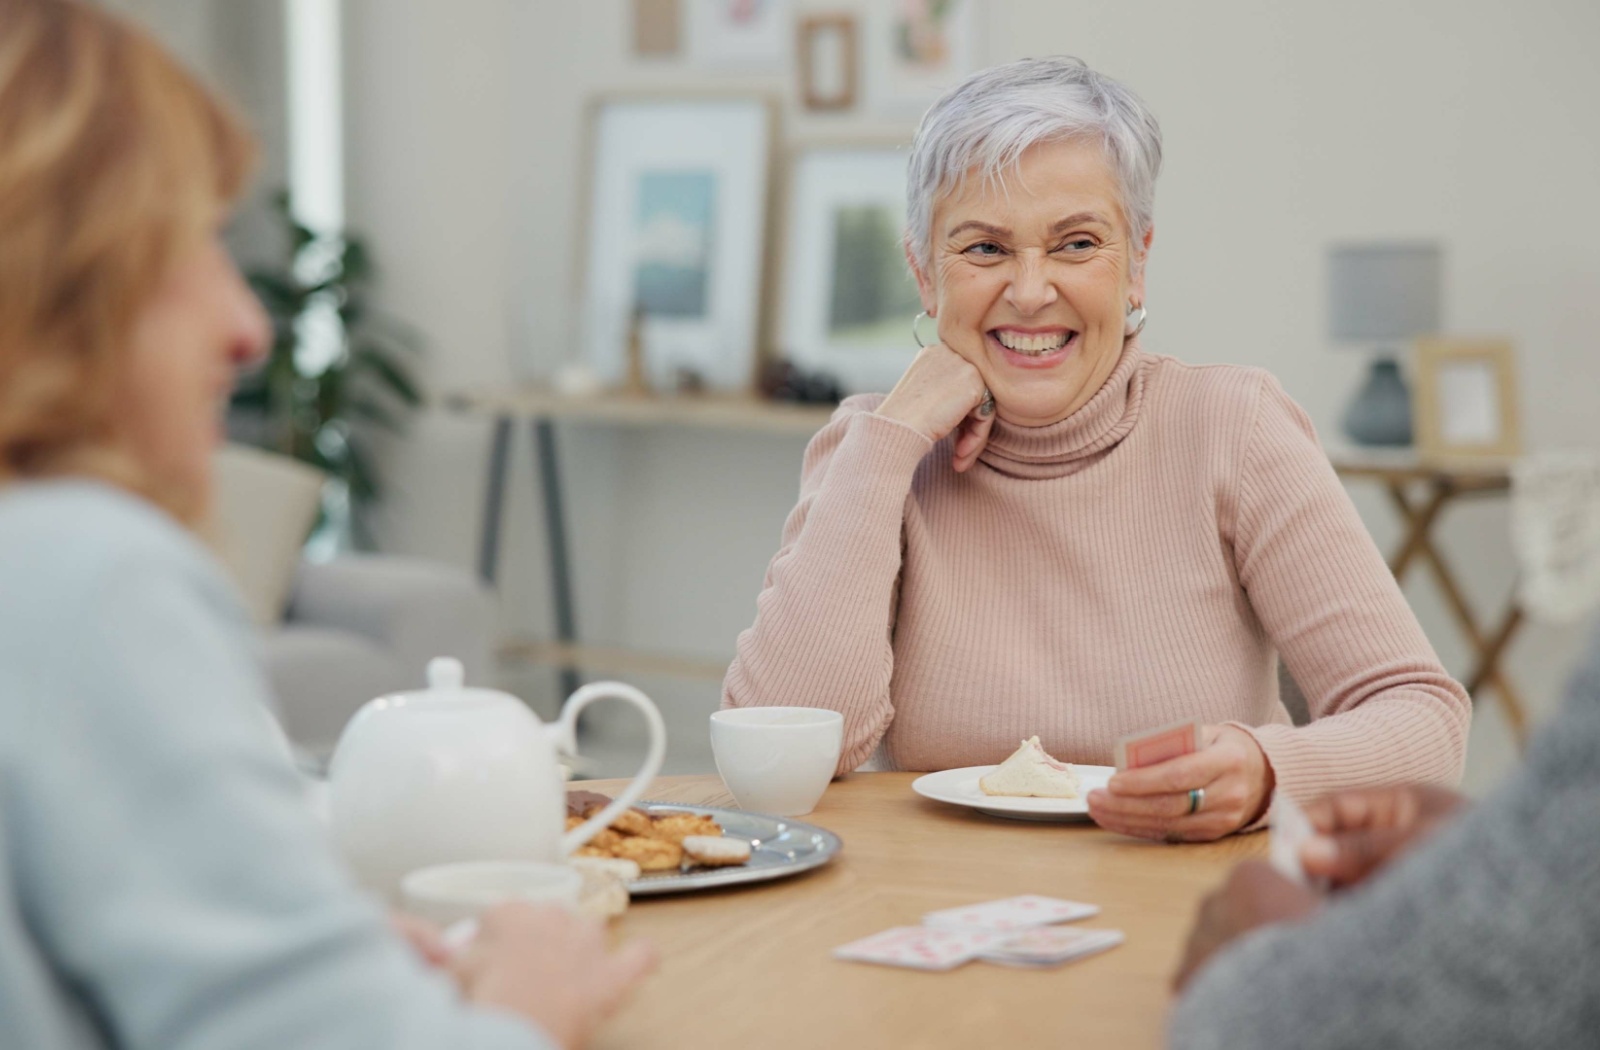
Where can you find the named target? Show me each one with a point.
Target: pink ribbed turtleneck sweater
(1144, 560)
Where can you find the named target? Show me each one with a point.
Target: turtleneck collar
(1069, 445)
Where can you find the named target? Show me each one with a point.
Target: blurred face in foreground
(187, 345)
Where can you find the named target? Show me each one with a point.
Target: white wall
(1287, 126)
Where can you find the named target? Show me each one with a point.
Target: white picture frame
(919, 49)
(677, 217)
(849, 295)
(741, 35)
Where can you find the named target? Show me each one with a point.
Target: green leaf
(311, 417)
(279, 294)
(357, 261)
(362, 478)
(372, 411)
(393, 375)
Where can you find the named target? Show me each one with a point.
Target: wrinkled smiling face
(1031, 280)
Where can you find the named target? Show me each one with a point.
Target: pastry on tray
(654, 842)
(716, 851)
(1030, 772)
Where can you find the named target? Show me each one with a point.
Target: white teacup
(448, 893)
(777, 760)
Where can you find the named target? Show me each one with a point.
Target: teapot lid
(446, 685)
(446, 672)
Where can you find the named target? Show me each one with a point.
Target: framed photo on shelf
(849, 297)
(1465, 398)
(677, 217)
(828, 62)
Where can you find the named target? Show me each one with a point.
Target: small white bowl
(777, 760)
(448, 893)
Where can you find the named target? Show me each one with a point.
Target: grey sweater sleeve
(1487, 937)
(164, 865)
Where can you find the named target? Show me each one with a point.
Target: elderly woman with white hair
(1045, 529)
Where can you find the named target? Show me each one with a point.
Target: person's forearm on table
(1409, 736)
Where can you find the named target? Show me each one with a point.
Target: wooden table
(752, 966)
(1403, 473)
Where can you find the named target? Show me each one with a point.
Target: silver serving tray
(779, 847)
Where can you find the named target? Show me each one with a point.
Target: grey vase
(1381, 412)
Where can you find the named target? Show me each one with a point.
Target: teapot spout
(562, 737)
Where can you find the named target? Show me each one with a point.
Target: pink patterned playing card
(920, 947)
(1012, 913)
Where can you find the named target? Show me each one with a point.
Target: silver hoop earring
(915, 321)
(1133, 323)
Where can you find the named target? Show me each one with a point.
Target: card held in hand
(1290, 830)
(1154, 746)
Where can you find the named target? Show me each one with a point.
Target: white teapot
(450, 774)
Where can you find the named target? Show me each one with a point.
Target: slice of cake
(1031, 773)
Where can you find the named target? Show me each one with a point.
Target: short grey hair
(986, 123)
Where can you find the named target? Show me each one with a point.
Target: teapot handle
(566, 740)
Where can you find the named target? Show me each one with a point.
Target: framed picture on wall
(828, 62)
(919, 49)
(749, 35)
(677, 216)
(657, 28)
(849, 297)
(1465, 394)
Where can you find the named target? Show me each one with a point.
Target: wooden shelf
(599, 659)
(1404, 465)
(706, 411)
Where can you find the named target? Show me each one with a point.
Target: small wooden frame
(1464, 398)
(657, 28)
(822, 89)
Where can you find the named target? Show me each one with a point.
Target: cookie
(632, 822)
(650, 854)
(716, 851)
(675, 827)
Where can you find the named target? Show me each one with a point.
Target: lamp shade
(1383, 291)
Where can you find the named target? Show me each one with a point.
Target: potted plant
(339, 371)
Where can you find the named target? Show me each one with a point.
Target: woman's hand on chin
(1153, 802)
(938, 393)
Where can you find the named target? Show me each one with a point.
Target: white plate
(959, 787)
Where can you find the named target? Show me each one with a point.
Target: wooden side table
(1420, 491)
(540, 409)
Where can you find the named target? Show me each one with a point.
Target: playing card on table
(920, 947)
(1012, 913)
(1051, 946)
(1158, 745)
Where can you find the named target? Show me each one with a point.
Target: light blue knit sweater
(162, 885)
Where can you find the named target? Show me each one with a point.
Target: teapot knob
(445, 672)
